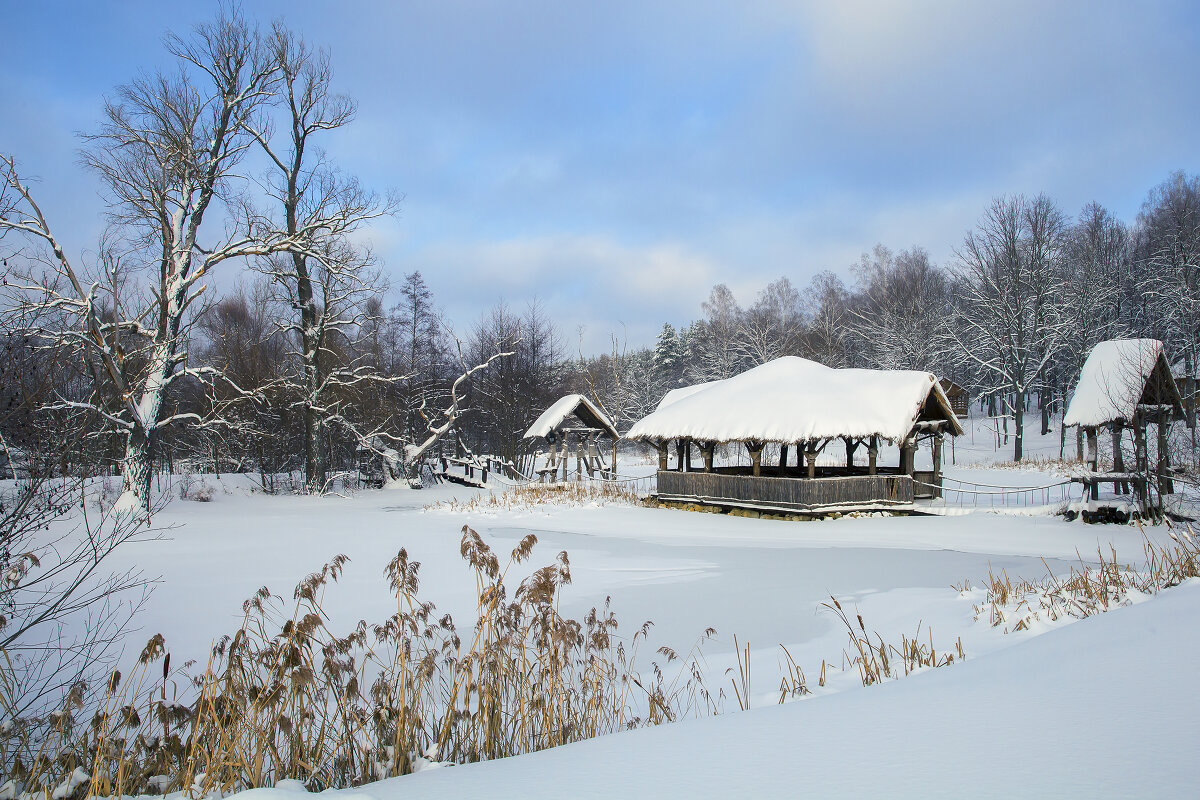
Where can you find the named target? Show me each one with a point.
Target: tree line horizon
(124, 361)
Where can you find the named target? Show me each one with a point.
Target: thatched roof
(795, 400)
(585, 410)
(1118, 376)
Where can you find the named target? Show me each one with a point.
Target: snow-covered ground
(1102, 707)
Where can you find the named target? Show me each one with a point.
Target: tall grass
(287, 697)
(1089, 588)
(527, 497)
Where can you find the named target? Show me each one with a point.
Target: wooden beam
(706, 450)
(662, 455)
(873, 453)
(810, 455)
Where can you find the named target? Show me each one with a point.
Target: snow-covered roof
(1114, 380)
(683, 391)
(794, 400)
(576, 404)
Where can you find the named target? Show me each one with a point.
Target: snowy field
(1102, 707)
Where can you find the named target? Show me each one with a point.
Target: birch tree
(167, 156)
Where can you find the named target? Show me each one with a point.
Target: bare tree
(324, 279)
(713, 341)
(1007, 322)
(899, 309)
(1096, 250)
(774, 326)
(827, 339)
(167, 155)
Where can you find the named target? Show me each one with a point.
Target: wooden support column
(679, 455)
(687, 456)
(1121, 487)
(851, 446)
(613, 470)
(706, 451)
(592, 455)
(810, 455)
(1165, 484)
(783, 455)
(873, 453)
(755, 449)
(662, 455)
(1141, 459)
(937, 464)
(566, 455)
(1093, 454)
(907, 449)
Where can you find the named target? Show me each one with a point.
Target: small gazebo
(574, 417)
(800, 404)
(1127, 384)
(960, 398)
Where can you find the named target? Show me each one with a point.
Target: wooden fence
(804, 495)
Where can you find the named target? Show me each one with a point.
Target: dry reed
(529, 496)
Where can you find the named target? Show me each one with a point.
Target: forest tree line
(124, 359)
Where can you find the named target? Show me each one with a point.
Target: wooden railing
(813, 495)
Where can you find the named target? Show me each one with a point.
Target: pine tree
(668, 357)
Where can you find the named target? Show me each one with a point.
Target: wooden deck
(791, 495)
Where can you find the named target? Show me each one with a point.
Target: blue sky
(617, 159)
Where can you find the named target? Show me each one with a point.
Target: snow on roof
(564, 407)
(683, 391)
(793, 400)
(1112, 381)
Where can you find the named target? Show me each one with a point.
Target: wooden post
(873, 452)
(851, 446)
(687, 455)
(1141, 459)
(937, 464)
(679, 455)
(1165, 484)
(566, 455)
(662, 455)
(810, 455)
(706, 450)
(1093, 454)
(783, 454)
(613, 471)
(1121, 487)
(580, 456)
(755, 449)
(906, 457)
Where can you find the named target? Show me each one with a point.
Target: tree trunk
(1019, 426)
(136, 470)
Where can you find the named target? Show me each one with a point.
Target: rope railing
(1001, 496)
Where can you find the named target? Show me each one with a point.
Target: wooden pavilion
(1126, 385)
(960, 398)
(573, 418)
(805, 407)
